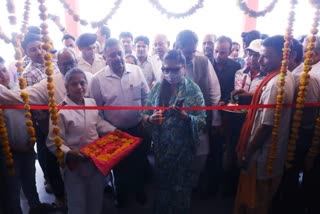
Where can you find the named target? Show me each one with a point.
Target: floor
(213, 205)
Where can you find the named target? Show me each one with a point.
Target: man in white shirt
(89, 61)
(160, 47)
(120, 84)
(141, 45)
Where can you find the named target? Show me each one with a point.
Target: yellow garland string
(54, 115)
(25, 22)
(302, 92)
(76, 17)
(244, 7)
(169, 14)
(314, 147)
(11, 10)
(3, 129)
(6, 145)
(281, 82)
(4, 37)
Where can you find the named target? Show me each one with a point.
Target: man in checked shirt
(34, 73)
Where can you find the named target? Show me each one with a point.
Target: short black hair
(30, 37)
(143, 39)
(249, 36)
(105, 31)
(68, 36)
(125, 34)
(275, 42)
(225, 39)
(184, 38)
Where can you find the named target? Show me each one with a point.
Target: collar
(128, 68)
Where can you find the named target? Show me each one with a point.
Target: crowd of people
(201, 153)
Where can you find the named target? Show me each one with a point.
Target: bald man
(208, 46)
(160, 47)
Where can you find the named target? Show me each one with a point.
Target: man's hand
(221, 103)
(241, 93)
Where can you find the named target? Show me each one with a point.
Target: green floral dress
(174, 144)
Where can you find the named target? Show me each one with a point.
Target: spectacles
(171, 70)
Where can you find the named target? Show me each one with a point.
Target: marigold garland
(76, 17)
(252, 13)
(314, 147)
(11, 10)
(54, 115)
(25, 22)
(16, 41)
(169, 14)
(302, 92)
(4, 37)
(106, 148)
(281, 82)
(5, 144)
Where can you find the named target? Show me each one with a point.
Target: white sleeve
(215, 94)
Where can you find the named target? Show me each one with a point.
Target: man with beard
(208, 46)
(120, 84)
(257, 185)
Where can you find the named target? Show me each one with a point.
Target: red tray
(110, 149)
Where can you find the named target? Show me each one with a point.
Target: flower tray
(109, 150)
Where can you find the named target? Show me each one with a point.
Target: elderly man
(208, 46)
(160, 47)
(120, 84)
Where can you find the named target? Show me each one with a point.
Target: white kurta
(84, 185)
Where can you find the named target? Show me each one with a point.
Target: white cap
(255, 45)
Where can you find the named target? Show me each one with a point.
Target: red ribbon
(41, 107)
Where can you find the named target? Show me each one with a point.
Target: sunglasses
(171, 70)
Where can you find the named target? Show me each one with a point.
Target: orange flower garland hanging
(5, 144)
(303, 88)
(25, 21)
(54, 115)
(16, 41)
(314, 148)
(281, 81)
